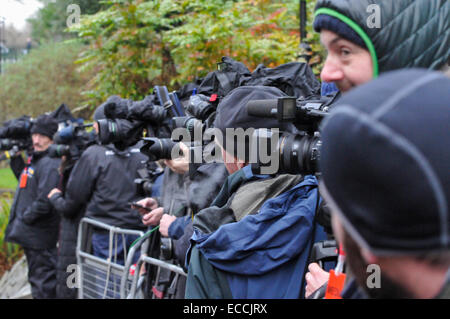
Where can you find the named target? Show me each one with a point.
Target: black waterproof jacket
(410, 33)
(68, 233)
(102, 184)
(33, 223)
(174, 197)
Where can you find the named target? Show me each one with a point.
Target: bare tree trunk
(169, 70)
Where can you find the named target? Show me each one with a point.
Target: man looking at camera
(33, 223)
(410, 33)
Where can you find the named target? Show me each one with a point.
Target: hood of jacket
(411, 33)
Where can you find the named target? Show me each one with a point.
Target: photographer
(259, 229)
(386, 176)
(100, 186)
(199, 187)
(358, 53)
(69, 144)
(33, 223)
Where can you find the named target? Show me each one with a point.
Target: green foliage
(136, 44)
(252, 32)
(41, 81)
(7, 179)
(9, 253)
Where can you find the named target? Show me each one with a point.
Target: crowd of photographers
(263, 184)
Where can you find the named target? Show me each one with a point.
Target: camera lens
(58, 151)
(299, 154)
(157, 149)
(166, 248)
(200, 107)
(110, 131)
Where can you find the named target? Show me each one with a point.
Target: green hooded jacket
(398, 34)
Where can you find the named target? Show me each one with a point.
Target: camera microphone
(263, 108)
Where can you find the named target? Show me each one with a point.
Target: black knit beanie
(385, 162)
(232, 114)
(45, 125)
(323, 21)
(99, 113)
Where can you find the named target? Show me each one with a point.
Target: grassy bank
(7, 179)
(9, 253)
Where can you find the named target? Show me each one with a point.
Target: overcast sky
(16, 12)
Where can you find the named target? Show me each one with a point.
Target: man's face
(96, 129)
(41, 142)
(358, 264)
(347, 64)
(389, 288)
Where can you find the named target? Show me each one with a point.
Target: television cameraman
(259, 228)
(33, 223)
(410, 34)
(100, 187)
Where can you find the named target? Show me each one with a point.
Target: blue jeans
(100, 246)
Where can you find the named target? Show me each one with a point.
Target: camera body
(298, 153)
(71, 141)
(147, 178)
(19, 128)
(128, 122)
(7, 144)
(15, 135)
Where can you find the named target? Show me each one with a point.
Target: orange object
(337, 278)
(335, 285)
(23, 179)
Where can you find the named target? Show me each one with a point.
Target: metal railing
(104, 278)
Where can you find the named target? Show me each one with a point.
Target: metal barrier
(137, 281)
(104, 278)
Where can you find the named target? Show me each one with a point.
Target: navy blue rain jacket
(265, 255)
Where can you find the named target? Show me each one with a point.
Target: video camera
(17, 129)
(297, 153)
(127, 121)
(300, 154)
(15, 136)
(147, 179)
(72, 140)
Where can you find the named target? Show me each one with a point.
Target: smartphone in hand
(136, 206)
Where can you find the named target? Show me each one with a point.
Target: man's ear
(368, 256)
